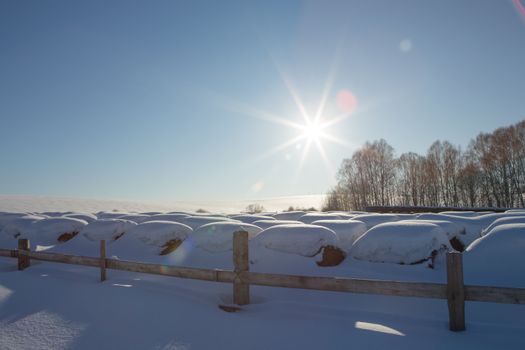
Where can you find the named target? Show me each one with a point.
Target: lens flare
(520, 8)
(346, 101)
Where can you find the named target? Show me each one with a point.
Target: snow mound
(347, 231)
(467, 214)
(53, 230)
(264, 224)
(108, 229)
(308, 218)
(110, 214)
(158, 233)
(372, 220)
(452, 229)
(400, 243)
(218, 236)
(249, 218)
(15, 226)
(473, 226)
(196, 221)
(305, 240)
(497, 257)
(82, 216)
(167, 217)
(502, 221)
(289, 215)
(138, 218)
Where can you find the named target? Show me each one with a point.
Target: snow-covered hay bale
(497, 257)
(16, 226)
(54, 230)
(289, 215)
(503, 221)
(473, 225)
(250, 218)
(303, 240)
(210, 246)
(108, 229)
(176, 217)
(401, 243)
(467, 214)
(110, 214)
(196, 221)
(82, 216)
(454, 232)
(218, 236)
(347, 231)
(372, 220)
(166, 235)
(308, 218)
(137, 218)
(264, 224)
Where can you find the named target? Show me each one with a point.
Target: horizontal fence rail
(454, 291)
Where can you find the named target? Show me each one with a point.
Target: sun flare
(311, 131)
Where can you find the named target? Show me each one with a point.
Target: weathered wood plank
(24, 261)
(455, 292)
(174, 271)
(102, 260)
(241, 289)
(65, 259)
(351, 285)
(9, 253)
(495, 294)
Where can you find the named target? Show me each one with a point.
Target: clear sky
(173, 100)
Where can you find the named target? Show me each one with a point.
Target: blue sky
(154, 99)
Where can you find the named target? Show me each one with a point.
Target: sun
(314, 128)
(311, 131)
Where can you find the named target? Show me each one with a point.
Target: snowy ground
(52, 306)
(58, 306)
(32, 203)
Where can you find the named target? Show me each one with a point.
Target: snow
(497, 257)
(305, 240)
(371, 220)
(137, 218)
(347, 231)
(218, 237)
(264, 224)
(196, 221)
(473, 226)
(17, 225)
(308, 218)
(166, 217)
(82, 216)
(108, 229)
(249, 219)
(400, 243)
(289, 215)
(57, 306)
(453, 230)
(502, 221)
(157, 233)
(46, 232)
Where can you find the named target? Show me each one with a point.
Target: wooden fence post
(455, 292)
(23, 259)
(102, 260)
(241, 291)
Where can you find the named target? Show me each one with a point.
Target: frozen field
(56, 306)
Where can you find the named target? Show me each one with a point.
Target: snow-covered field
(56, 306)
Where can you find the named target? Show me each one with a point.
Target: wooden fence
(454, 290)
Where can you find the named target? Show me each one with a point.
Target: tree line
(489, 173)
